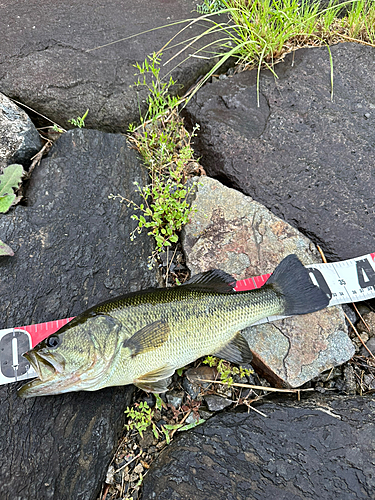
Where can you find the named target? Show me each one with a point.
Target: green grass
(259, 33)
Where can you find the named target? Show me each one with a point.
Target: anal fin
(236, 351)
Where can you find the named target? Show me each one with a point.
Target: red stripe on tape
(251, 283)
(40, 331)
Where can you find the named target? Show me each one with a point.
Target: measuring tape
(345, 281)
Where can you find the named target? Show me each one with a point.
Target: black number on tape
(365, 273)
(321, 281)
(12, 346)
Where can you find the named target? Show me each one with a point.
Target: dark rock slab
(46, 63)
(306, 158)
(72, 250)
(301, 450)
(19, 139)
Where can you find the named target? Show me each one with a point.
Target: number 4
(365, 273)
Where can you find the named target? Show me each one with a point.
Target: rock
(19, 139)
(350, 386)
(72, 250)
(47, 59)
(369, 325)
(304, 156)
(232, 232)
(301, 450)
(371, 346)
(175, 398)
(217, 403)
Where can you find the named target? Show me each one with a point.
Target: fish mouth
(50, 376)
(46, 366)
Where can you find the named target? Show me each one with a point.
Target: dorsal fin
(212, 281)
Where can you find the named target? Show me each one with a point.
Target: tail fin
(291, 280)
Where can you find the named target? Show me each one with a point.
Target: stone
(175, 398)
(307, 158)
(19, 139)
(301, 450)
(370, 344)
(232, 232)
(217, 403)
(72, 251)
(48, 61)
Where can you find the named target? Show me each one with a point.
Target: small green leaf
(10, 179)
(5, 250)
(193, 424)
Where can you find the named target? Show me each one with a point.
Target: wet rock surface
(72, 250)
(19, 139)
(301, 450)
(47, 62)
(232, 232)
(305, 157)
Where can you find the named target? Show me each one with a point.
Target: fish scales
(200, 324)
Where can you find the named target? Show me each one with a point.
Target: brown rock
(232, 232)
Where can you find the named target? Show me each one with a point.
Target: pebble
(192, 419)
(138, 469)
(350, 313)
(369, 380)
(217, 403)
(371, 346)
(175, 398)
(205, 414)
(110, 475)
(350, 386)
(193, 390)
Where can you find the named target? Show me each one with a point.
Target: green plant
(259, 33)
(5, 250)
(140, 418)
(226, 370)
(10, 180)
(77, 122)
(165, 146)
(210, 6)
(57, 128)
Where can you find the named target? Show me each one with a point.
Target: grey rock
(72, 250)
(301, 450)
(217, 403)
(232, 232)
(175, 398)
(304, 156)
(193, 390)
(19, 139)
(370, 344)
(350, 386)
(350, 313)
(47, 59)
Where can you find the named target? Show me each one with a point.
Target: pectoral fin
(236, 351)
(156, 380)
(148, 338)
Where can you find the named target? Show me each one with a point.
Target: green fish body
(143, 337)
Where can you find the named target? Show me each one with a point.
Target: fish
(141, 338)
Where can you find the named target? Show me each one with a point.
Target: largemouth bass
(142, 338)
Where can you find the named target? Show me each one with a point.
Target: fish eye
(53, 341)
